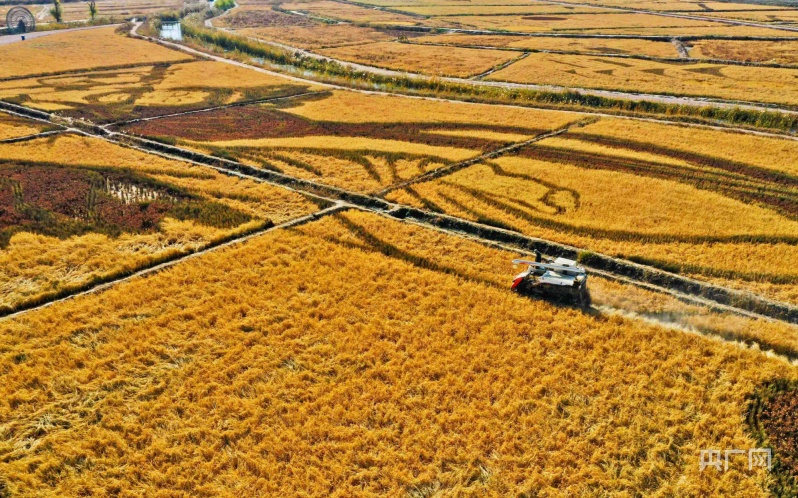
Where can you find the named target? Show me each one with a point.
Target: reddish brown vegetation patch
(266, 18)
(773, 420)
(65, 201)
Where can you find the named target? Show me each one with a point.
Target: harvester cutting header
(563, 280)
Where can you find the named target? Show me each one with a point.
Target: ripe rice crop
(770, 153)
(318, 36)
(349, 12)
(584, 192)
(247, 382)
(79, 51)
(760, 16)
(59, 236)
(586, 45)
(261, 17)
(443, 61)
(351, 107)
(746, 51)
(14, 127)
(472, 10)
(775, 85)
(107, 96)
(348, 150)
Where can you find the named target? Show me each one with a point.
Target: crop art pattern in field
(237, 377)
(680, 210)
(75, 211)
(347, 149)
(107, 96)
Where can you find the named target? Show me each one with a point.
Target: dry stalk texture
(286, 372)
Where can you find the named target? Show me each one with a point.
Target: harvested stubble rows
(232, 375)
(75, 211)
(710, 211)
(730, 82)
(354, 141)
(111, 95)
(430, 60)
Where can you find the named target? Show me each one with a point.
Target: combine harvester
(563, 281)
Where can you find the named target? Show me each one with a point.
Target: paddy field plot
(729, 82)
(655, 200)
(778, 52)
(145, 91)
(431, 60)
(16, 127)
(236, 372)
(62, 52)
(319, 35)
(662, 49)
(77, 210)
(353, 141)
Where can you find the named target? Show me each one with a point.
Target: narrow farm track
(30, 137)
(448, 170)
(500, 66)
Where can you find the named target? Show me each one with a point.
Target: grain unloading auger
(563, 280)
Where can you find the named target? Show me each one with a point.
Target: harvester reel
(20, 20)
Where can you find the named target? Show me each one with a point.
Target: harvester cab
(563, 280)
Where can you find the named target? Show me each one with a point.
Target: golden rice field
(64, 52)
(619, 23)
(350, 12)
(651, 199)
(731, 82)
(116, 94)
(15, 127)
(369, 351)
(784, 52)
(678, 5)
(587, 45)
(471, 9)
(431, 60)
(317, 36)
(352, 141)
(45, 261)
(239, 378)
